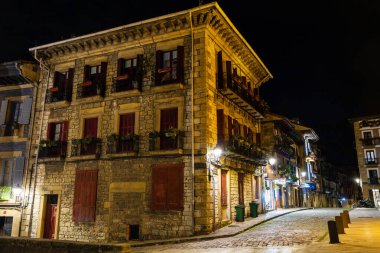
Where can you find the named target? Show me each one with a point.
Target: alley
(295, 229)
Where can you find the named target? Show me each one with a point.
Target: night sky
(324, 55)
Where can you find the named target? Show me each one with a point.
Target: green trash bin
(253, 208)
(240, 211)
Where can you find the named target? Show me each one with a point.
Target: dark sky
(324, 55)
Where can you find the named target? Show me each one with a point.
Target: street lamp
(303, 173)
(213, 157)
(272, 161)
(357, 180)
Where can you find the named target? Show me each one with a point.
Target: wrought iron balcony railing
(165, 141)
(52, 149)
(86, 146)
(56, 94)
(242, 148)
(370, 160)
(370, 141)
(91, 89)
(122, 144)
(125, 84)
(373, 180)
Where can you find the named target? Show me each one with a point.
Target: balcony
(237, 90)
(124, 83)
(51, 149)
(370, 160)
(239, 149)
(86, 146)
(122, 144)
(56, 94)
(370, 141)
(12, 129)
(91, 89)
(166, 140)
(373, 180)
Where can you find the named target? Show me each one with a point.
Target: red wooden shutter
(220, 126)
(241, 188)
(245, 131)
(229, 74)
(250, 133)
(69, 84)
(64, 131)
(120, 66)
(159, 62)
(236, 127)
(169, 118)
(103, 74)
(159, 187)
(90, 127)
(175, 187)
(229, 126)
(84, 209)
(258, 139)
(50, 131)
(87, 73)
(220, 71)
(181, 63)
(224, 188)
(140, 66)
(127, 124)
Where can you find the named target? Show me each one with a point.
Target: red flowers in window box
(53, 89)
(164, 70)
(122, 77)
(87, 83)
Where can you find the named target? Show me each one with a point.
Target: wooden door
(50, 216)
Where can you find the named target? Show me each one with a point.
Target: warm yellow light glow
(272, 161)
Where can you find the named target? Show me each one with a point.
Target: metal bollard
(339, 224)
(347, 216)
(333, 233)
(344, 220)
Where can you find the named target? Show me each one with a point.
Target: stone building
(367, 136)
(17, 82)
(131, 118)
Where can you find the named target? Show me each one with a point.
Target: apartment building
(134, 139)
(17, 82)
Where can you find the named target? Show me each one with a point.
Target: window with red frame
(127, 127)
(170, 66)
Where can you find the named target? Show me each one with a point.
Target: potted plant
(53, 89)
(171, 132)
(154, 134)
(87, 83)
(122, 77)
(112, 141)
(163, 70)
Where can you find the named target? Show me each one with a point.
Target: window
(241, 188)
(224, 188)
(370, 156)
(373, 177)
(90, 127)
(84, 209)
(257, 187)
(128, 76)
(127, 127)
(57, 131)
(11, 174)
(169, 120)
(6, 226)
(94, 80)
(367, 135)
(62, 86)
(13, 114)
(167, 187)
(170, 66)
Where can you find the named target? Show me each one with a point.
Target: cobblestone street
(295, 229)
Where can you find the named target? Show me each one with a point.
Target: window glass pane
(128, 63)
(174, 54)
(6, 172)
(166, 63)
(134, 62)
(99, 69)
(93, 70)
(57, 131)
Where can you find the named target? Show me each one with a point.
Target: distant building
(149, 130)
(17, 82)
(367, 139)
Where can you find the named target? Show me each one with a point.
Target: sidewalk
(231, 230)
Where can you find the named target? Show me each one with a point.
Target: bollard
(333, 233)
(339, 225)
(344, 220)
(347, 216)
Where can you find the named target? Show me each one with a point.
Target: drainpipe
(45, 68)
(192, 118)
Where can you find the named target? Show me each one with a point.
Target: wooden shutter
(84, 209)
(64, 131)
(159, 187)
(258, 139)
(120, 66)
(50, 131)
(220, 126)
(3, 111)
(180, 63)
(229, 125)
(159, 62)
(169, 118)
(229, 74)
(220, 70)
(175, 187)
(224, 188)
(140, 72)
(127, 124)
(236, 124)
(69, 84)
(90, 127)
(245, 131)
(87, 73)
(24, 113)
(57, 79)
(241, 188)
(18, 172)
(103, 74)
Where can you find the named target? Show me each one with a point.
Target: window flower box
(163, 70)
(87, 83)
(53, 89)
(122, 77)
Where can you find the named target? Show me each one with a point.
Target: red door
(50, 216)
(169, 119)
(127, 127)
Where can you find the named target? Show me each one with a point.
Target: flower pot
(164, 70)
(53, 89)
(122, 77)
(87, 83)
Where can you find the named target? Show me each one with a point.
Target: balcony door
(169, 119)
(373, 177)
(127, 127)
(90, 130)
(370, 157)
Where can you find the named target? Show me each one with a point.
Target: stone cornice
(209, 15)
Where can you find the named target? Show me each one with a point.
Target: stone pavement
(233, 229)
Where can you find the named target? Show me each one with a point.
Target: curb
(206, 238)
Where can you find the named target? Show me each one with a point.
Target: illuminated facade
(131, 119)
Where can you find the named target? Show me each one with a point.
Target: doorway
(50, 216)
(6, 226)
